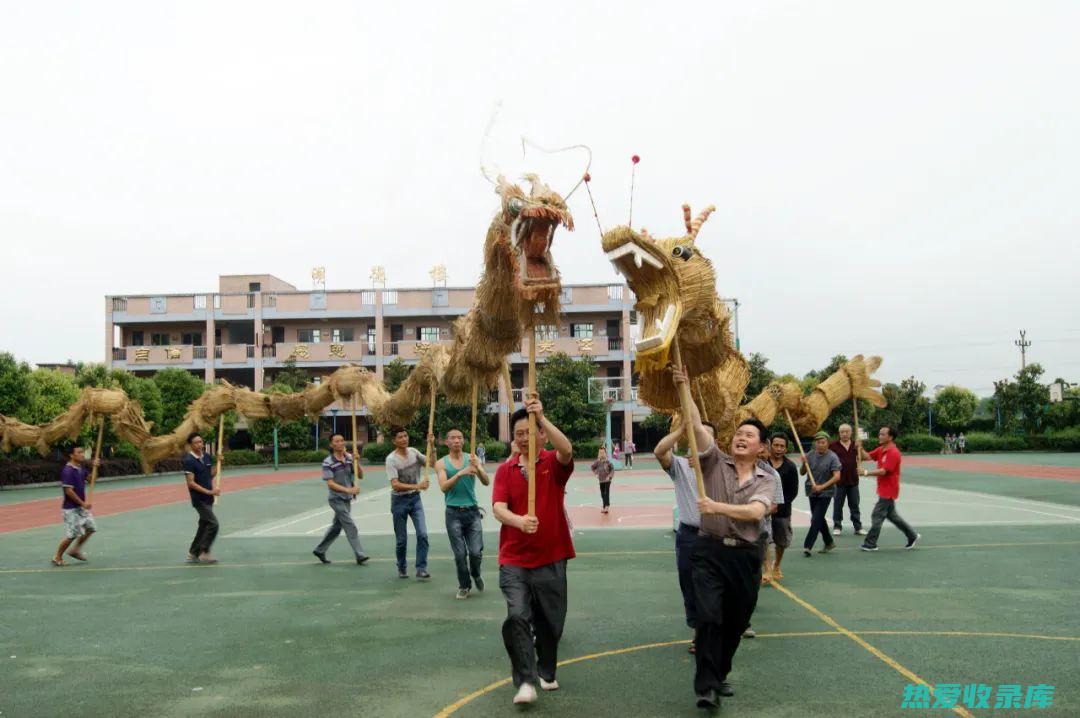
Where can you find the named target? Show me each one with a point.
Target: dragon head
(675, 286)
(532, 220)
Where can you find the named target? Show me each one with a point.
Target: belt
(731, 542)
(463, 508)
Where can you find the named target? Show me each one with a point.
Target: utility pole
(1023, 344)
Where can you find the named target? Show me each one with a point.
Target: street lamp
(334, 411)
(930, 409)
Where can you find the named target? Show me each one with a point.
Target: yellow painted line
(907, 673)
(971, 634)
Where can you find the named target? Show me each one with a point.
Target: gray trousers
(535, 606)
(342, 520)
(886, 509)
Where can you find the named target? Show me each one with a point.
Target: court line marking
(888, 660)
(465, 700)
(999, 497)
(582, 554)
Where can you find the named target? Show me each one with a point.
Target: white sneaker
(549, 686)
(861, 532)
(525, 694)
(836, 532)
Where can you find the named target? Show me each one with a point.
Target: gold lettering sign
(337, 350)
(300, 351)
(378, 275)
(438, 274)
(546, 346)
(585, 346)
(172, 353)
(142, 355)
(422, 348)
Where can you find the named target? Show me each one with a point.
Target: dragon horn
(694, 227)
(686, 218)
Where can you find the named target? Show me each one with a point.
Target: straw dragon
(675, 286)
(519, 287)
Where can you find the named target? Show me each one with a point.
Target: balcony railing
(119, 304)
(119, 354)
(614, 344)
(268, 351)
(198, 352)
(250, 351)
(217, 351)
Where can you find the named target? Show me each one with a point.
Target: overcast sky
(891, 178)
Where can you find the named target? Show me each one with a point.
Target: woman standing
(604, 471)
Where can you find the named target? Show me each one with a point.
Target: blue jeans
(466, 541)
(684, 547)
(401, 508)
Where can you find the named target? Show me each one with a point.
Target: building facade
(247, 330)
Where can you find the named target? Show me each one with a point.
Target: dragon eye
(682, 252)
(515, 205)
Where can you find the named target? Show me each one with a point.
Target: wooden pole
(685, 402)
(220, 450)
(532, 425)
(97, 455)
(857, 438)
(799, 444)
(472, 436)
(701, 398)
(355, 454)
(509, 388)
(430, 430)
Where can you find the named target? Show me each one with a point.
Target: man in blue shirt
(198, 472)
(78, 521)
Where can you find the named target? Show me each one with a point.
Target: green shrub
(1062, 440)
(587, 449)
(496, 450)
(243, 457)
(985, 442)
(376, 452)
(920, 443)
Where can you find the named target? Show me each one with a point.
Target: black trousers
(535, 607)
(207, 530)
(851, 494)
(819, 507)
(726, 584)
(684, 548)
(605, 493)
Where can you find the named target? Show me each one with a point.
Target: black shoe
(361, 560)
(423, 575)
(911, 544)
(726, 690)
(806, 552)
(479, 583)
(708, 699)
(321, 556)
(867, 547)
(402, 573)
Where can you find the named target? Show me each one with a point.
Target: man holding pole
(457, 476)
(823, 472)
(726, 557)
(338, 471)
(78, 521)
(847, 488)
(534, 547)
(200, 483)
(403, 466)
(887, 472)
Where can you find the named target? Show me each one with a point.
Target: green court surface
(989, 597)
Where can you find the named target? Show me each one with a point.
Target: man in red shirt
(887, 472)
(533, 551)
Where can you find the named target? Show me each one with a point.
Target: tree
(296, 434)
(178, 389)
(954, 408)
(760, 375)
(1022, 402)
(16, 389)
(53, 393)
(907, 411)
(563, 385)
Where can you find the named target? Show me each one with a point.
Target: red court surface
(976, 466)
(45, 512)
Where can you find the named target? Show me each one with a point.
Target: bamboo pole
(472, 436)
(509, 387)
(430, 430)
(858, 438)
(532, 426)
(97, 456)
(220, 449)
(701, 398)
(355, 454)
(799, 444)
(685, 402)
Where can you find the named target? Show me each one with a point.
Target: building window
(137, 339)
(427, 334)
(343, 335)
(159, 340)
(581, 331)
(367, 297)
(191, 338)
(200, 301)
(217, 301)
(309, 336)
(371, 339)
(547, 332)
